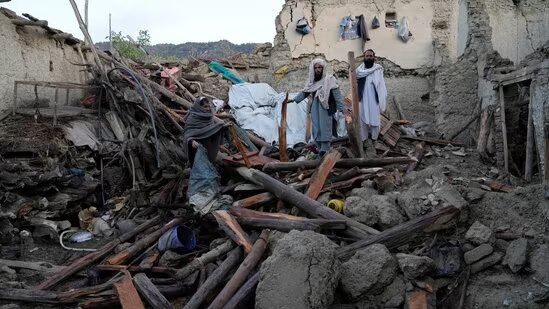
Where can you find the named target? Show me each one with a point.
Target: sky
(168, 21)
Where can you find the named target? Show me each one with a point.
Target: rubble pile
(112, 189)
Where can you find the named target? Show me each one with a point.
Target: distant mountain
(209, 50)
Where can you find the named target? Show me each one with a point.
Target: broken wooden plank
(321, 173)
(433, 141)
(31, 295)
(89, 259)
(528, 164)
(231, 227)
(127, 294)
(504, 129)
(150, 292)
(239, 277)
(215, 279)
(310, 206)
(282, 145)
(239, 146)
(401, 234)
(355, 138)
(141, 244)
(341, 163)
(255, 200)
(44, 267)
(418, 154)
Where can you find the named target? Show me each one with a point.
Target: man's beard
(318, 77)
(368, 63)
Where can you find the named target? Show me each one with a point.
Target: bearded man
(327, 99)
(372, 95)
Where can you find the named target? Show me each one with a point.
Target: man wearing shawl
(372, 95)
(200, 128)
(327, 98)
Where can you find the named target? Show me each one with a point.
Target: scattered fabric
(349, 28)
(302, 26)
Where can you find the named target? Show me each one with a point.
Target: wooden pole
(89, 259)
(242, 272)
(254, 200)
(504, 129)
(484, 131)
(89, 40)
(341, 163)
(401, 234)
(231, 227)
(204, 259)
(356, 139)
(321, 173)
(215, 279)
(240, 146)
(110, 34)
(310, 206)
(141, 244)
(246, 289)
(86, 20)
(150, 292)
(399, 109)
(529, 144)
(282, 145)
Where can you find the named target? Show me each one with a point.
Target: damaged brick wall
(29, 54)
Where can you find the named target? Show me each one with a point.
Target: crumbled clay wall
(491, 43)
(29, 54)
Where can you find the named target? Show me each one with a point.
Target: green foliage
(127, 47)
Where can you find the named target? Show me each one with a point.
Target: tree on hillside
(129, 48)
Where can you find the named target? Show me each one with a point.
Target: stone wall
(29, 54)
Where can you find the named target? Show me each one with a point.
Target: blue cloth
(228, 74)
(349, 28)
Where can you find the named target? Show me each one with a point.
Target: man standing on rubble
(327, 99)
(372, 96)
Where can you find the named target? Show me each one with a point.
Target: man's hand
(290, 101)
(227, 124)
(195, 144)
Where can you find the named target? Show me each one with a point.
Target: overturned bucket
(178, 238)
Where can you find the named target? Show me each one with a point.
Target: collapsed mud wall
(28, 53)
(500, 33)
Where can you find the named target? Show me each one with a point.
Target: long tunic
(369, 108)
(322, 121)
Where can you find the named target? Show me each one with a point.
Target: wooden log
(215, 279)
(204, 259)
(231, 227)
(308, 205)
(282, 145)
(193, 77)
(398, 108)
(504, 129)
(257, 218)
(254, 200)
(30, 295)
(242, 272)
(401, 234)
(141, 244)
(89, 259)
(285, 225)
(345, 184)
(247, 289)
(44, 267)
(496, 185)
(355, 139)
(127, 294)
(87, 36)
(418, 154)
(484, 131)
(150, 292)
(77, 293)
(341, 163)
(432, 141)
(240, 146)
(348, 174)
(528, 164)
(321, 173)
